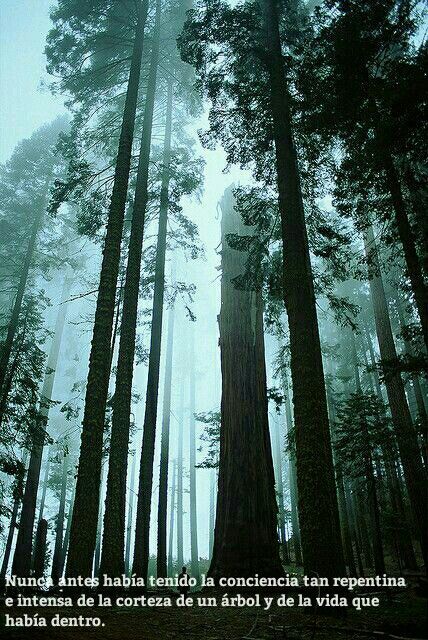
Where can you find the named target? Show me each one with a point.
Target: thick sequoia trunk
(408, 447)
(164, 456)
(194, 552)
(245, 538)
(85, 513)
(59, 532)
(180, 553)
(172, 520)
(13, 324)
(22, 556)
(318, 508)
(113, 546)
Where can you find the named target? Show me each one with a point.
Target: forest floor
(402, 615)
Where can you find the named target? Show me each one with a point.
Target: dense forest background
(214, 314)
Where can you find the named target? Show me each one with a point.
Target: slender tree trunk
(12, 525)
(130, 516)
(280, 491)
(245, 539)
(171, 520)
(194, 547)
(22, 556)
(419, 398)
(318, 508)
(13, 324)
(401, 525)
(363, 528)
(406, 435)
(112, 557)
(164, 457)
(67, 530)
(343, 507)
(180, 536)
(416, 189)
(85, 513)
(211, 522)
(59, 533)
(40, 548)
(45, 484)
(353, 525)
(292, 477)
(408, 242)
(112, 560)
(372, 494)
(97, 553)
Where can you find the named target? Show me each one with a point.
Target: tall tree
(113, 547)
(85, 513)
(164, 458)
(316, 494)
(22, 556)
(194, 552)
(245, 538)
(404, 430)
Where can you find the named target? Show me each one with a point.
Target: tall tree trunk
(22, 556)
(353, 525)
(113, 547)
(318, 508)
(417, 390)
(85, 513)
(172, 520)
(401, 525)
(194, 549)
(59, 532)
(372, 493)
(211, 515)
(130, 517)
(408, 242)
(67, 530)
(180, 536)
(343, 507)
(245, 539)
(12, 524)
(164, 456)
(40, 548)
(292, 475)
(45, 484)
(280, 490)
(406, 435)
(97, 552)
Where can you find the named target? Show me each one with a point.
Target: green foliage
(211, 437)
(362, 430)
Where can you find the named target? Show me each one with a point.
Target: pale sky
(23, 105)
